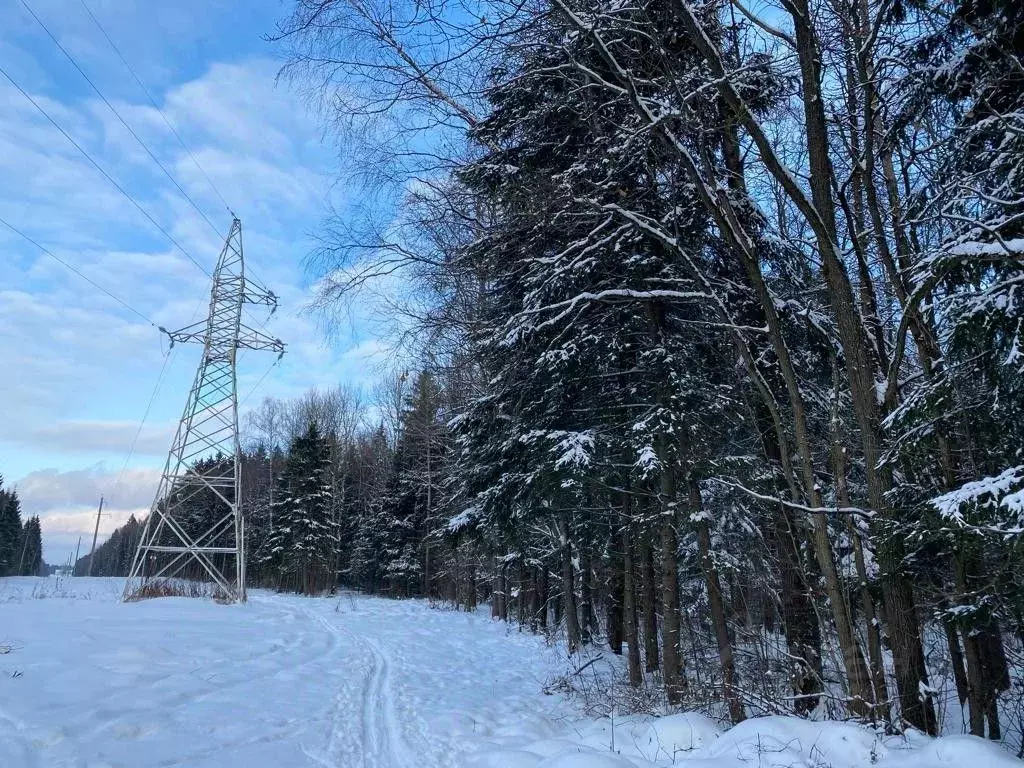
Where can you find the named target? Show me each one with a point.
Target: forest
(716, 339)
(21, 543)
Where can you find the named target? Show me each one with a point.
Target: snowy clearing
(285, 681)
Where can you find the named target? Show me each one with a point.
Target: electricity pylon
(203, 465)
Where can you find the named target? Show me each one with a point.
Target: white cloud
(77, 350)
(102, 436)
(66, 503)
(51, 489)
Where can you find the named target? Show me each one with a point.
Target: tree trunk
(497, 592)
(977, 704)
(649, 606)
(908, 654)
(672, 667)
(543, 596)
(980, 692)
(861, 700)
(521, 598)
(800, 621)
(629, 612)
(956, 656)
(534, 606)
(873, 624)
(587, 622)
(615, 625)
(471, 594)
(572, 623)
(717, 606)
(819, 213)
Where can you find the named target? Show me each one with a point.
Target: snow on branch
(794, 505)
(572, 450)
(1002, 494)
(619, 293)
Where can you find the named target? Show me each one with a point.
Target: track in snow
(283, 681)
(382, 744)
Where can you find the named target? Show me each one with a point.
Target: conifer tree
(303, 540)
(10, 532)
(31, 556)
(407, 512)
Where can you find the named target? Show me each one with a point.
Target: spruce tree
(10, 531)
(407, 511)
(31, 556)
(303, 542)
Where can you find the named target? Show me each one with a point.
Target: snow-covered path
(351, 682)
(282, 681)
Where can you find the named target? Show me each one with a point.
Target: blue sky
(79, 368)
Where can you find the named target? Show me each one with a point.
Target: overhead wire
(117, 114)
(163, 116)
(142, 423)
(103, 172)
(77, 271)
(130, 308)
(126, 194)
(100, 168)
(152, 101)
(258, 383)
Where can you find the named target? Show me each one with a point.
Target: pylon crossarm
(250, 338)
(186, 335)
(257, 294)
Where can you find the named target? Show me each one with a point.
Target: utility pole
(77, 548)
(95, 533)
(205, 454)
(24, 546)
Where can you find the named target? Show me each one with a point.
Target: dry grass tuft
(178, 588)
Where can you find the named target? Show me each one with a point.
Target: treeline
(720, 316)
(21, 544)
(329, 494)
(114, 556)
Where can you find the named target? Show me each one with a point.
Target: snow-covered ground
(284, 682)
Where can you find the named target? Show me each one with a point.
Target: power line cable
(74, 269)
(152, 101)
(99, 168)
(257, 384)
(102, 171)
(142, 423)
(117, 114)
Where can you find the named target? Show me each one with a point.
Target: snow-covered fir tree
(10, 531)
(302, 546)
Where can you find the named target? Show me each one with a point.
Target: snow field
(287, 682)
(283, 681)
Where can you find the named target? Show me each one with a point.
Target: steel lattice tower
(203, 465)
